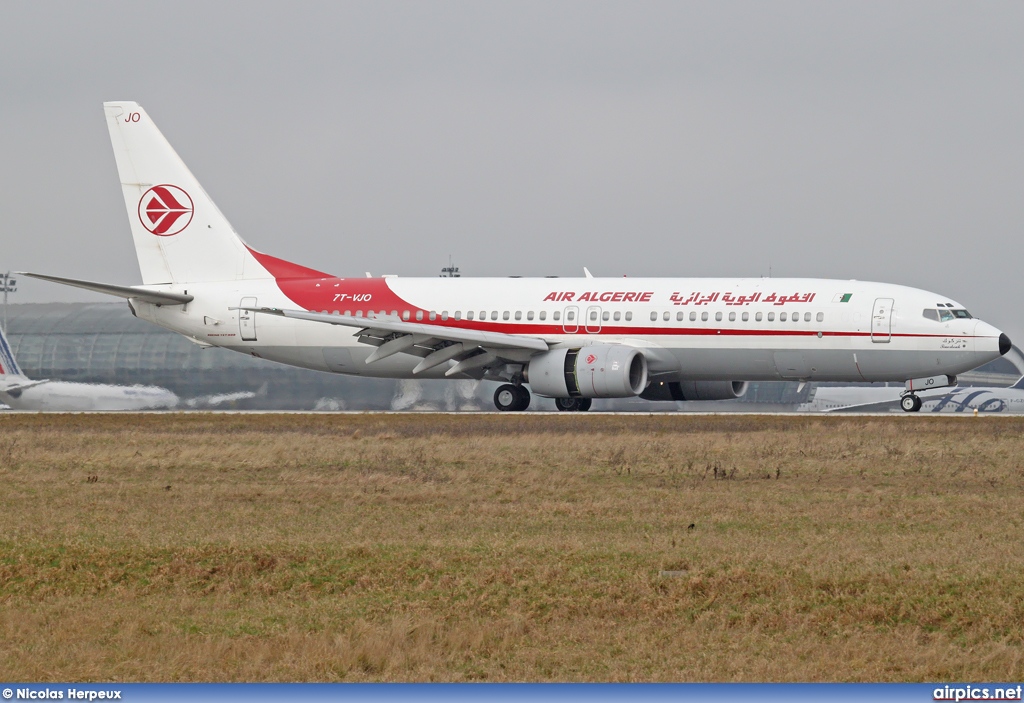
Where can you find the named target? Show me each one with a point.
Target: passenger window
(444, 315)
(807, 317)
(820, 317)
(504, 315)
(405, 314)
(556, 315)
(483, 314)
(519, 314)
(654, 316)
(679, 316)
(469, 315)
(704, 316)
(529, 315)
(571, 315)
(419, 314)
(718, 317)
(605, 316)
(782, 317)
(666, 316)
(732, 317)
(771, 317)
(494, 314)
(693, 317)
(629, 316)
(359, 313)
(394, 313)
(458, 314)
(746, 316)
(757, 317)
(544, 314)
(618, 315)
(593, 315)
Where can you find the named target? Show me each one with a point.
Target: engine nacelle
(602, 371)
(695, 390)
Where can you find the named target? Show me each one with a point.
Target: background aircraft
(22, 393)
(985, 399)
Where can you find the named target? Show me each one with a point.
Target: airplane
(571, 340)
(19, 392)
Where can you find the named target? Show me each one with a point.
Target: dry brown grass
(415, 548)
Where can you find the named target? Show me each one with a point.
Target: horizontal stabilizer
(135, 292)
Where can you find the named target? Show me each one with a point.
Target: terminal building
(105, 343)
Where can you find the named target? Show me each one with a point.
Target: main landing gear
(510, 398)
(571, 405)
(910, 403)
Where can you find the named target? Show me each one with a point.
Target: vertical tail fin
(8, 365)
(180, 235)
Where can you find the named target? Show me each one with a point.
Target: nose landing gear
(510, 398)
(910, 403)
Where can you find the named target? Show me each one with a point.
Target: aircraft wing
(473, 350)
(147, 296)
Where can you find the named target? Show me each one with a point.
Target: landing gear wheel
(910, 403)
(524, 399)
(571, 405)
(509, 398)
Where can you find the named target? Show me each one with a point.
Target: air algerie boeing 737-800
(567, 339)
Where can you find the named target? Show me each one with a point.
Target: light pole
(9, 286)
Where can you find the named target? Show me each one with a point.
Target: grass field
(498, 548)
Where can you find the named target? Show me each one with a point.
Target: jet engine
(695, 390)
(601, 371)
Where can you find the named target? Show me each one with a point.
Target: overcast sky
(877, 141)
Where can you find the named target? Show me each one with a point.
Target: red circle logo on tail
(165, 210)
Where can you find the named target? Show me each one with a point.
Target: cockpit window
(945, 315)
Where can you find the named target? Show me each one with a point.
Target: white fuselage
(689, 329)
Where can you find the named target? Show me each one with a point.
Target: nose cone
(1004, 344)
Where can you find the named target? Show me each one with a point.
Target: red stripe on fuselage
(320, 292)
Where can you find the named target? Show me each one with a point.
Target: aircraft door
(881, 320)
(570, 323)
(247, 320)
(593, 321)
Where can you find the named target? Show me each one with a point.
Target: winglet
(587, 273)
